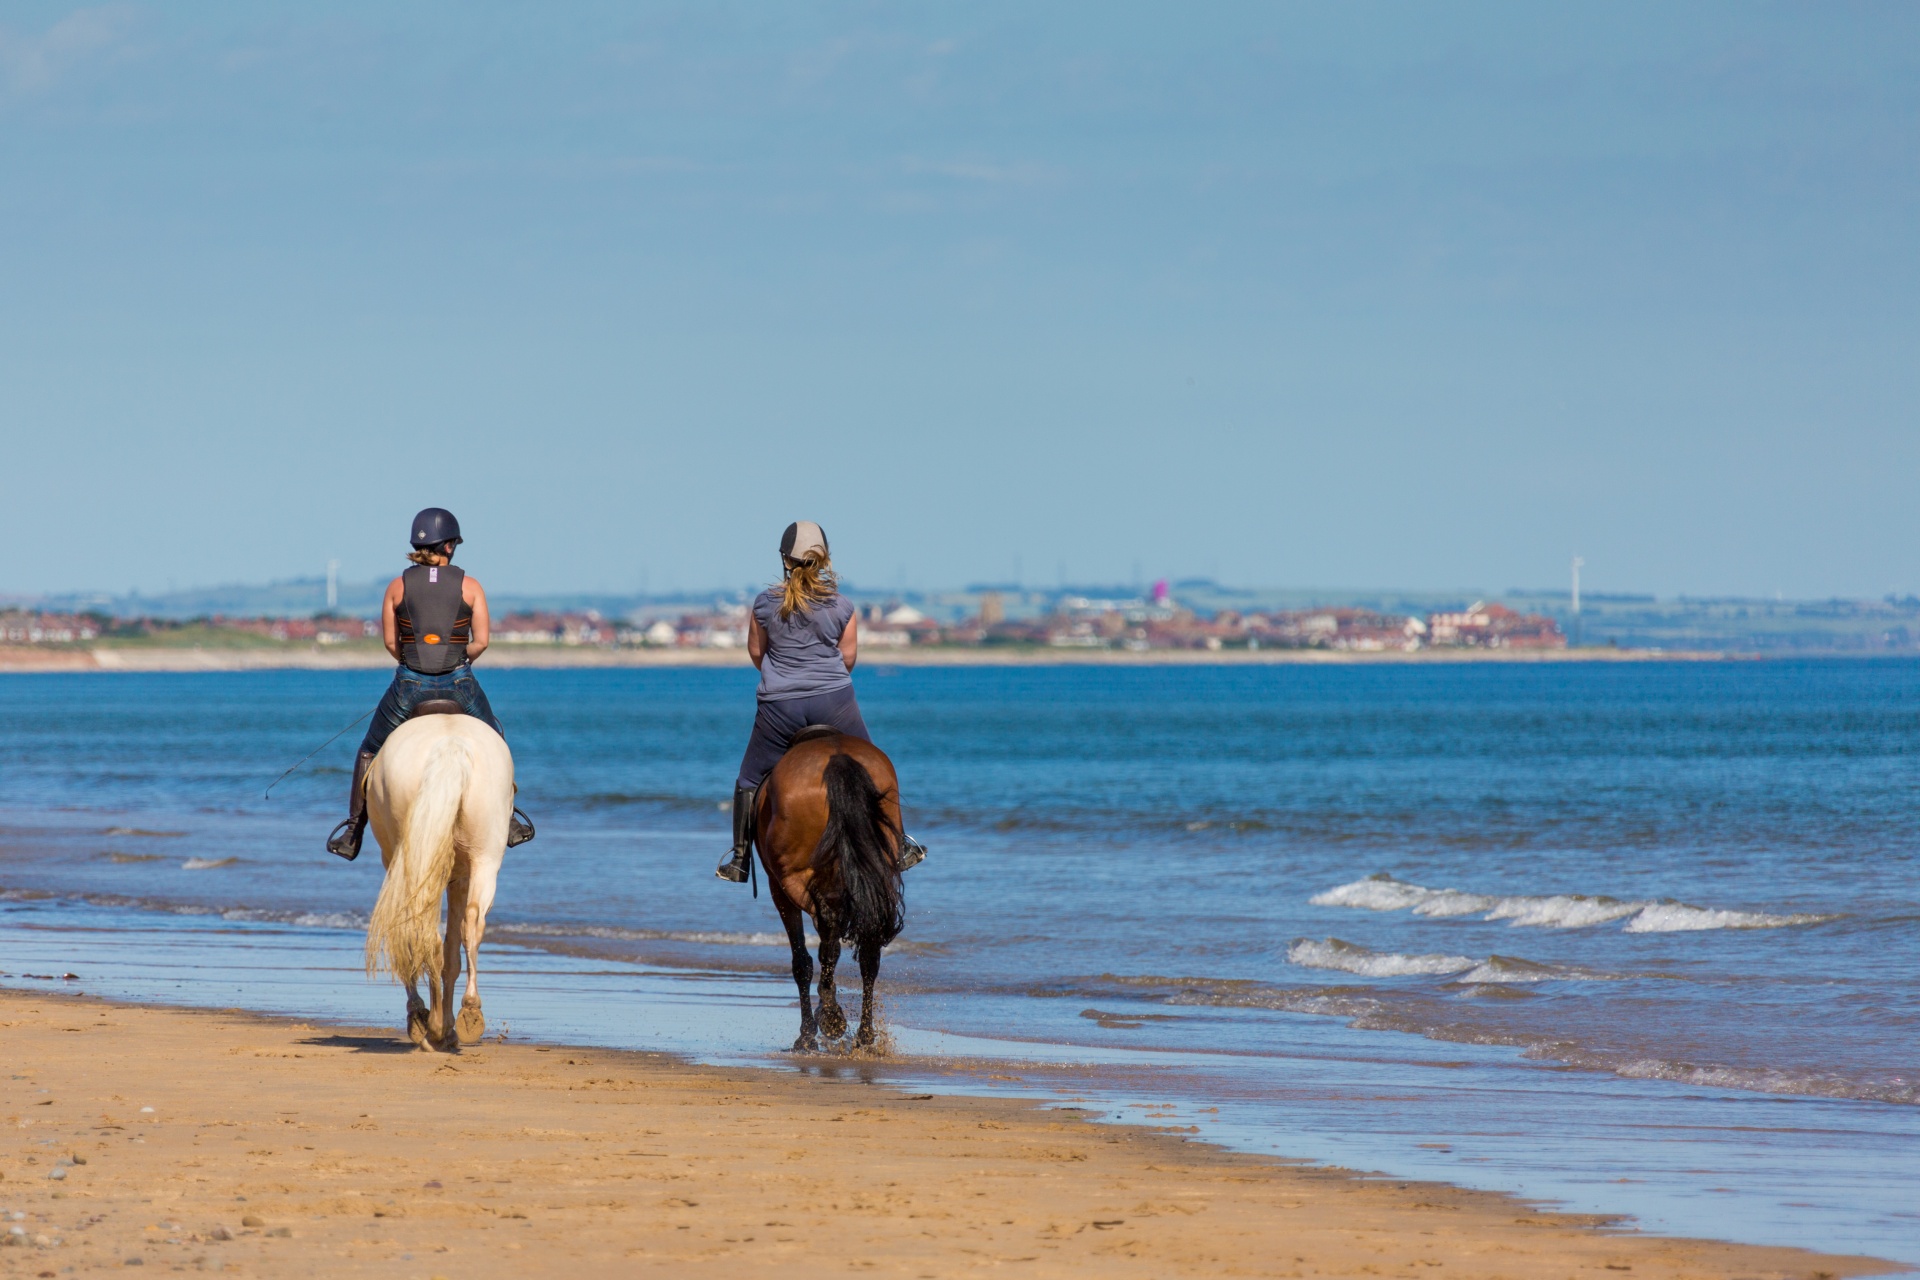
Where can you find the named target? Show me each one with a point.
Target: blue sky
(1297, 295)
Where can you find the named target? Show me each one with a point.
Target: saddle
(520, 829)
(813, 731)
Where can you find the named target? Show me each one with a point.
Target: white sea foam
(615, 934)
(1505, 969)
(1563, 911)
(1452, 902)
(1375, 893)
(1804, 1082)
(1678, 917)
(1550, 911)
(1349, 957)
(206, 864)
(300, 919)
(1332, 953)
(1372, 1013)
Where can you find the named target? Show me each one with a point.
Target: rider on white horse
(435, 623)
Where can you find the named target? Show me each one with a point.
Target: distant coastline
(1185, 615)
(107, 659)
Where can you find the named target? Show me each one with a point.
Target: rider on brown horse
(434, 620)
(805, 638)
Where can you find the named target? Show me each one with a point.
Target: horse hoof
(417, 1030)
(806, 1044)
(833, 1023)
(471, 1024)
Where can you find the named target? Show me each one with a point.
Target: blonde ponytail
(809, 581)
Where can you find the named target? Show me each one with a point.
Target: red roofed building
(1493, 626)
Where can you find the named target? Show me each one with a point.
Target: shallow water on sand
(1640, 939)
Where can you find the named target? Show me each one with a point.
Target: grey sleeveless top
(803, 651)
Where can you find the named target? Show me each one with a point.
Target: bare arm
(850, 643)
(756, 640)
(389, 629)
(476, 596)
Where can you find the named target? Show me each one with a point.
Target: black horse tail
(856, 866)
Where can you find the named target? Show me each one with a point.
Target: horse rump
(857, 893)
(404, 930)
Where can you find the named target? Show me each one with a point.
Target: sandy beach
(259, 1146)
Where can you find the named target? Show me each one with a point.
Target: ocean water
(1638, 938)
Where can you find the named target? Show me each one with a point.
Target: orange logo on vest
(429, 639)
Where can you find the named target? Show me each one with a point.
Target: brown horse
(827, 824)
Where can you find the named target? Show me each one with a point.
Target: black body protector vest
(432, 622)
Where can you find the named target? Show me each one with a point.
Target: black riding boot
(345, 840)
(734, 866)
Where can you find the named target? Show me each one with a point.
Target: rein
(268, 793)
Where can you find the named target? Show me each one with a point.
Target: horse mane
(858, 894)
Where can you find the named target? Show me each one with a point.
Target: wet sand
(260, 1146)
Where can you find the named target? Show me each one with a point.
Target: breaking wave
(237, 915)
(358, 920)
(1381, 892)
(1435, 1018)
(612, 933)
(300, 919)
(1502, 969)
(1347, 957)
(1350, 957)
(1678, 917)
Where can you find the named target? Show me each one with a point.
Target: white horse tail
(405, 928)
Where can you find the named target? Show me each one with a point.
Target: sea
(1637, 939)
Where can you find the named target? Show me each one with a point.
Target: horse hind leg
(440, 1022)
(869, 972)
(833, 1021)
(417, 1018)
(472, 1022)
(802, 972)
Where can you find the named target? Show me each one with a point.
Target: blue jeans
(410, 688)
(775, 723)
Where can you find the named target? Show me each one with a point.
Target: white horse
(439, 796)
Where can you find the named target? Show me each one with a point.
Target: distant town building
(587, 628)
(1155, 621)
(1494, 626)
(22, 627)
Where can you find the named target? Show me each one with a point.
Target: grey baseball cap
(802, 539)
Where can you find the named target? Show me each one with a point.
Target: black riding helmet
(434, 526)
